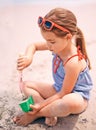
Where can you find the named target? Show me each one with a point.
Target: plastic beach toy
(25, 105)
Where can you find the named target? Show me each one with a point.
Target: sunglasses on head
(48, 25)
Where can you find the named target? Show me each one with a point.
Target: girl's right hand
(35, 109)
(23, 61)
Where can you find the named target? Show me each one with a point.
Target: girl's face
(55, 44)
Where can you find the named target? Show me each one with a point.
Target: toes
(18, 120)
(54, 121)
(47, 121)
(15, 119)
(51, 121)
(23, 120)
(21, 123)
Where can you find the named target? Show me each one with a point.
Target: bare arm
(72, 72)
(25, 60)
(32, 48)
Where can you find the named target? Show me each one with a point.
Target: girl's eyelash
(52, 42)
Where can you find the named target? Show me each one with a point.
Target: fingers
(33, 107)
(34, 110)
(22, 62)
(20, 65)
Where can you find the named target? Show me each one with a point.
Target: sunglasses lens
(48, 24)
(40, 20)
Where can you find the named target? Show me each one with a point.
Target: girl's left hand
(35, 109)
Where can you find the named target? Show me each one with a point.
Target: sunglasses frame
(52, 25)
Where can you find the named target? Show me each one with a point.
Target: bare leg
(39, 94)
(37, 90)
(69, 104)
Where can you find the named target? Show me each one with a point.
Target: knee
(28, 85)
(62, 109)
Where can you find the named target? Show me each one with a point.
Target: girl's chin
(53, 51)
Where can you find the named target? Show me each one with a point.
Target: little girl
(70, 92)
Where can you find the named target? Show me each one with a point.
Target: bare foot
(51, 121)
(24, 119)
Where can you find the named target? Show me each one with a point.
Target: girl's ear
(69, 36)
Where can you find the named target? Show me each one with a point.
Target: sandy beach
(18, 28)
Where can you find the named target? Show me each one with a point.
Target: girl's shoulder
(73, 63)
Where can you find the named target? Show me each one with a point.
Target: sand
(18, 28)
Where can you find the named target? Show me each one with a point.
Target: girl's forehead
(49, 35)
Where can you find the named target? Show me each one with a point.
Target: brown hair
(67, 19)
